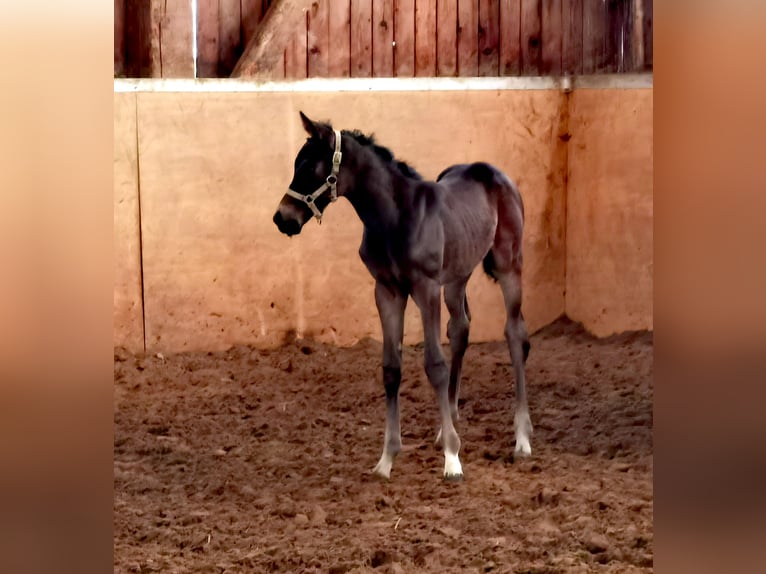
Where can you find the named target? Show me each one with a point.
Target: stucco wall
(212, 168)
(610, 210)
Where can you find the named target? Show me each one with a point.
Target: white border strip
(225, 85)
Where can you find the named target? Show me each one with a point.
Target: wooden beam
(266, 48)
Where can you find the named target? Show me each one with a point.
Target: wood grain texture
(594, 37)
(175, 29)
(361, 38)
(296, 53)
(552, 36)
(468, 37)
(619, 36)
(339, 65)
(207, 38)
(446, 38)
(425, 38)
(251, 15)
(404, 36)
(229, 38)
(383, 38)
(489, 36)
(648, 26)
(572, 37)
(531, 37)
(119, 38)
(510, 33)
(265, 51)
(318, 39)
(137, 43)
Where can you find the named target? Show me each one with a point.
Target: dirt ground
(259, 461)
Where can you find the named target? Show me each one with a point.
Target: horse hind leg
(457, 332)
(518, 345)
(503, 263)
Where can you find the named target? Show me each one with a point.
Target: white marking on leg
(383, 468)
(452, 466)
(523, 430)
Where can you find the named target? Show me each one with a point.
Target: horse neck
(371, 192)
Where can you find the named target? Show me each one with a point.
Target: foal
(418, 237)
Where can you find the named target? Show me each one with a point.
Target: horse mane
(383, 153)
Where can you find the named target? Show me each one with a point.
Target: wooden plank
(251, 15)
(648, 25)
(425, 38)
(552, 35)
(510, 33)
(404, 36)
(383, 38)
(119, 38)
(489, 30)
(637, 33)
(318, 39)
(155, 54)
(468, 37)
(207, 38)
(572, 37)
(340, 38)
(361, 38)
(618, 36)
(264, 54)
(138, 39)
(296, 53)
(594, 37)
(175, 39)
(446, 38)
(531, 37)
(229, 38)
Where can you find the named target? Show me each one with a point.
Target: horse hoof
(453, 477)
(522, 450)
(380, 471)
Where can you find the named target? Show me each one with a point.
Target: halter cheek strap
(330, 183)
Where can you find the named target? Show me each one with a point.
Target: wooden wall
(391, 38)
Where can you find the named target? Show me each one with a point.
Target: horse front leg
(391, 305)
(427, 297)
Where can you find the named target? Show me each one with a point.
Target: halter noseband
(330, 183)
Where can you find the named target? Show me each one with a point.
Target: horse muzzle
(289, 226)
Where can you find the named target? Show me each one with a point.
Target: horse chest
(393, 264)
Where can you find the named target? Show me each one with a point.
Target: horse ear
(320, 131)
(309, 126)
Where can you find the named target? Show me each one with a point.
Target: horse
(419, 237)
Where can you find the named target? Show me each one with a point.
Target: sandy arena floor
(259, 461)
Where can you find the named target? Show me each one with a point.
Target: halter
(330, 183)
